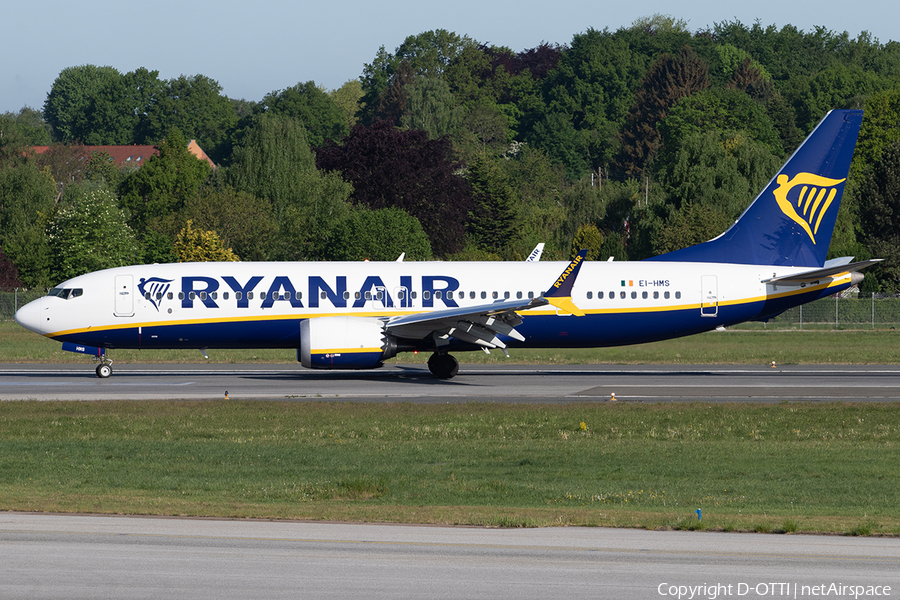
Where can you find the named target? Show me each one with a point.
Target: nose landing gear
(104, 369)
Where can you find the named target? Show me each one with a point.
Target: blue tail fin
(790, 223)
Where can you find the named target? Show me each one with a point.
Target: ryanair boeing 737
(341, 315)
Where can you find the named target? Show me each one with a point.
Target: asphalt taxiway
(475, 383)
(73, 556)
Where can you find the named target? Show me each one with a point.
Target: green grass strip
(788, 467)
(18, 345)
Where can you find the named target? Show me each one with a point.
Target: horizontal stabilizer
(816, 274)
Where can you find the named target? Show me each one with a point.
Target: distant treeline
(630, 143)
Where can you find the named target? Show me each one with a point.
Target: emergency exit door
(709, 296)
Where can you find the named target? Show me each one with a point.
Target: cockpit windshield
(65, 293)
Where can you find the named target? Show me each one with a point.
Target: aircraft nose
(31, 316)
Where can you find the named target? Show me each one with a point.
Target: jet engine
(344, 343)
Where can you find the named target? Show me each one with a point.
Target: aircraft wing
(476, 324)
(482, 324)
(828, 271)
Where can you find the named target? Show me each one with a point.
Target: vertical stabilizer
(790, 223)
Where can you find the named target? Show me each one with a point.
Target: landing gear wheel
(443, 366)
(104, 371)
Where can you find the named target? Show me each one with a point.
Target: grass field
(785, 468)
(17, 345)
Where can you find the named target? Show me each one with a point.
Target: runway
(57, 556)
(475, 383)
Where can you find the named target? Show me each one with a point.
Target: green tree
(719, 169)
(311, 107)
(274, 162)
(839, 86)
(89, 232)
(431, 107)
(388, 167)
(670, 79)
(427, 54)
(348, 98)
(198, 245)
(25, 128)
(70, 100)
(242, 221)
(100, 106)
(493, 220)
(689, 225)
(196, 107)
(587, 237)
(879, 203)
(880, 128)
(156, 193)
(381, 234)
(721, 110)
(27, 197)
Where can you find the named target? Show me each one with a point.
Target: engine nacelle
(344, 343)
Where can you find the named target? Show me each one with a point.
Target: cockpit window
(65, 293)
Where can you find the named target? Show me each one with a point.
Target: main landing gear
(442, 365)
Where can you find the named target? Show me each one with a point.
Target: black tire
(104, 371)
(443, 366)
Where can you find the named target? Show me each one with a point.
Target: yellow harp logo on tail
(809, 204)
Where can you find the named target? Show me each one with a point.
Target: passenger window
(437, 295)
(471, 295)
(590, 295)
(494, 295)
(346, 295)
(262, 295)
(414, 295)
(368, 295)
(666, 295)
(299, 295)
(612, 295)
(449, 295)
(483, 295)
(599, 295)
(644, 295)
(678, 295)
(146, 295)
(159, 295)
(633, 295)
(622, 295)
(426, 295)
(224, 295)
(203, 295)
(379, 295)
(323, 295)
(530, 295)
(249, 295)
(506, 295)
(181, 295)
(518, 295)
(401, 295)
(655, 295)
(169, 296)
(214, 295)
(238, 295)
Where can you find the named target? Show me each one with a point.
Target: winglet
(560, 293)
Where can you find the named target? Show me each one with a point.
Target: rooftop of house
(125, 156)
